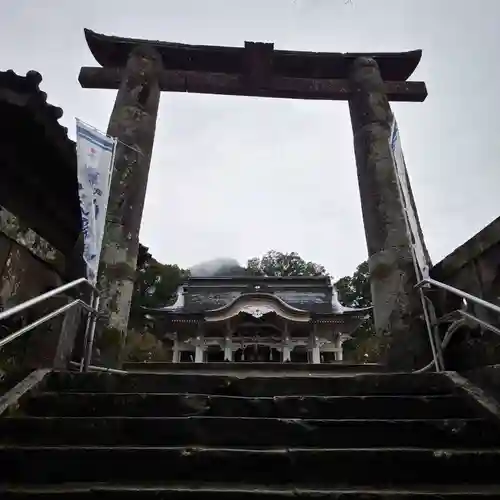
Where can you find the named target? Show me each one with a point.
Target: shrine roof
(297, 298)
(38, 162)
(113, 51)
(253, 280)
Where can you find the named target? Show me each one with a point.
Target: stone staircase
(226, 436)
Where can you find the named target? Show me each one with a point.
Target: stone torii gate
(142, 69)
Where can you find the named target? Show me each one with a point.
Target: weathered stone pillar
(397, 307)
(133, 122)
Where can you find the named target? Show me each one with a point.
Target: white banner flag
(410, 214)
(95, 152)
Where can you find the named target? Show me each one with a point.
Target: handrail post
(89, 333)
(434, 338)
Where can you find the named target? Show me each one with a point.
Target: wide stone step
(179, 405)
(244, 432)
(264, 369)
(225, 492)
(301, 467)
(380, 384)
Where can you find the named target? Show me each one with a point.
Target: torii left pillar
(133, 123)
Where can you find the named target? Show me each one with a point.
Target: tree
(279, 264)
(155, 285)
(354, 291)
(144, 346)
(143, 257)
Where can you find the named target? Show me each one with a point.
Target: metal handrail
(42, 320)
(454, 327)
(91, 308)
(37, 300)
(460, 293)
(447, 338)
(432, 331)
(465, 315)
(95, 368)
(480, 322)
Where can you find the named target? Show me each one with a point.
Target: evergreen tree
(275, 263)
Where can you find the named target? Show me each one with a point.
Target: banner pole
(89, 334)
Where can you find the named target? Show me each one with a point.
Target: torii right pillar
(397, 307)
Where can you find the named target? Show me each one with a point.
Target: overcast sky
(237, 176)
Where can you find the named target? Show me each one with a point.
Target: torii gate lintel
(256, 69)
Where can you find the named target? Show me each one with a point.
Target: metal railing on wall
(91, 307)
(461, 317)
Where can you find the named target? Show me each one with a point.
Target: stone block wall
(29, 266)
(474, 267)
(23, 274)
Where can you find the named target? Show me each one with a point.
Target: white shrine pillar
(175, 351)
(316, 357)
(287, 345)
(339, 352)
(199, 349)
(228, 349)
(228, 344)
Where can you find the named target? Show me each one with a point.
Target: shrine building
(256, 319)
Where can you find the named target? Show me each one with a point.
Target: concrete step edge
(446, 490)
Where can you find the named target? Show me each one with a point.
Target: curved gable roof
(257, 304)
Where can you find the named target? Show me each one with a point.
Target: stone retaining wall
(473, 267)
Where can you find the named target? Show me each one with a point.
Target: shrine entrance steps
(205, 436)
